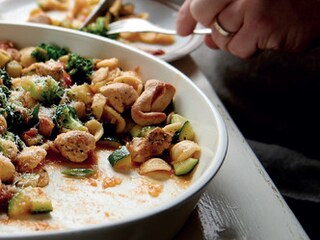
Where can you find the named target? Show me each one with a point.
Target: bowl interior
(189, 100)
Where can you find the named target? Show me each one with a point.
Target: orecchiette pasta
(98, 102)
(95, 128)
(172, 128)
(184, 150)
(108, 63)
(112, 116)
(100, 75)
(7, 169)
(133, 81)
(80, 108)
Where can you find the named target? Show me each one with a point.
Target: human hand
(289, 25)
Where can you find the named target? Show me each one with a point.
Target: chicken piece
(156, 141)
(29, 158)
(40, 17)
(75, 145)
(51, 68)
(147, 110)
(119, 95)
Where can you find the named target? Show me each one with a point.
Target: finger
(185, 23)
(220, 40)
(205, 11)
(241, 45)
(231, 17)
(210, 43)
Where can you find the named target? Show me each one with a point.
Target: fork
(141, 25)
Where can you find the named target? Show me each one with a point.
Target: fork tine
(123, 22)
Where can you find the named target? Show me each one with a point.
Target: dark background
(274, 99)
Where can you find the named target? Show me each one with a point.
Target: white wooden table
(241, 202)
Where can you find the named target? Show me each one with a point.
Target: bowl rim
(193, 189)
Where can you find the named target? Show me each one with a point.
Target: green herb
(78, 172)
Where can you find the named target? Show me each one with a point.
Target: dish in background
(162, 221)
(163, 13)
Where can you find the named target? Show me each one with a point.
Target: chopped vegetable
(79, 68)
(111, 141)
(184, 133)
(29, 200)
(66, 117)
(120, 159)
(184, 167)
(78, 172)
(99, 28)
(43, 89)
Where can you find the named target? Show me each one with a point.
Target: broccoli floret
(16, 116)
(79, 68)
(6, 79)
(99, 28)
(66, 117)
(46, 51)
(4, 95)
(43, 89)
(14, 138)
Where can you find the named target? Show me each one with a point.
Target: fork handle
(200, 31)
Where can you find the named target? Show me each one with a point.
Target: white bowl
(164, 221)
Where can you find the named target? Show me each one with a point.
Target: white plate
(155, 218)
(161, 13)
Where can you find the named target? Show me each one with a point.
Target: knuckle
(199, 13)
